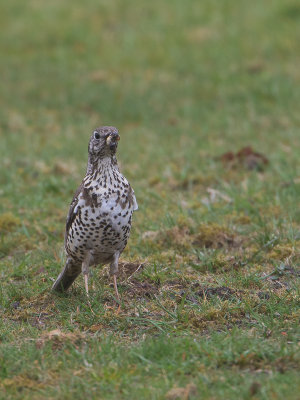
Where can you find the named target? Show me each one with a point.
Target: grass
(210, 277)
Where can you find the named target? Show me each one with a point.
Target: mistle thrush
(99, 220)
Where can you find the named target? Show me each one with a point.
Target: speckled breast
(102, 224)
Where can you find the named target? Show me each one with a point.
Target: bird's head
(104, 141)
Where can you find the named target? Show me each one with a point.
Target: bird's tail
(67, 276)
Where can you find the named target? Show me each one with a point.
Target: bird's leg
(113, 271)
(85, 270)
(116, 287)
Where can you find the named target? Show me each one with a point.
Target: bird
(99, 220)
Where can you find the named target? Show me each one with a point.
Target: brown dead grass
(8, 221)
(58, 338)
(184, 393)
(281, 252)
(143, 289)
(181, 238)
(178, 237)
(215, 236)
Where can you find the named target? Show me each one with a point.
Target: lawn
(206, 99)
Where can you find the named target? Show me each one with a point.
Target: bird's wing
(73, 210)
(134, 202)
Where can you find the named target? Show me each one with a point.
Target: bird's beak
(112, 138)
(112, 141)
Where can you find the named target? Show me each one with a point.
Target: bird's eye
(96, 135)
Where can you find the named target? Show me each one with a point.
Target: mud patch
(246, 158)
(36, 311)
(255, 361)
(144, 289)
(128, 269)
(223, 292)
(191, 182)
(175, 284)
